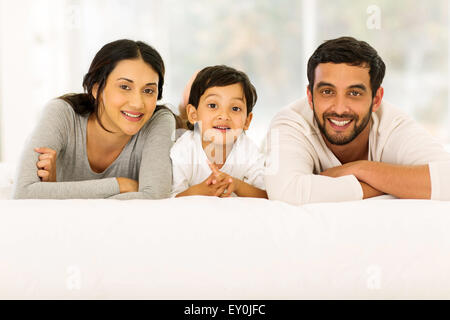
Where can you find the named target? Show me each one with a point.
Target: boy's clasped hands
(218, 184)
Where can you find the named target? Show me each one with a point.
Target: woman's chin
(130, 131)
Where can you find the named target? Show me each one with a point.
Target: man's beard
(340, 139)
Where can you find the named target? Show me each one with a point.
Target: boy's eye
(236, 109)
(149, 91)
(212, 105)
(124, 87)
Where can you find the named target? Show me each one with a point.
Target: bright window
(46, 47)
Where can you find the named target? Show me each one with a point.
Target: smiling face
(221, 113)
(342, 101)
(129, 97)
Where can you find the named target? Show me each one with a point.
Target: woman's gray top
(145, 158)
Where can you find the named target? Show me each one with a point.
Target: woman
(111, 142)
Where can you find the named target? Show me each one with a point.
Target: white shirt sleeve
(290, 174)
(440, 180)
(182, 170)
(255, 171)
(410, 144)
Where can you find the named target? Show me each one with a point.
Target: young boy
(215, 157)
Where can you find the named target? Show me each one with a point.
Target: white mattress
(210, 248)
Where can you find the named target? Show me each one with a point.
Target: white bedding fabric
(210, 248)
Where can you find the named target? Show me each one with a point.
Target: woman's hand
(127, 185)
(46, 164)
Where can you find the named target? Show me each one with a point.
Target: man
(343, 142)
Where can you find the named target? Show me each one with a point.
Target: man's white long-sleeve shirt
(297, 154)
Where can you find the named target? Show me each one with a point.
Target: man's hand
(347, 169)
(46, 164)
(352, 168)
(369, 191)
(401, 181)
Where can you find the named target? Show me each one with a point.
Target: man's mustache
(341, 116)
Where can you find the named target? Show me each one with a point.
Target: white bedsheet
(210, 248)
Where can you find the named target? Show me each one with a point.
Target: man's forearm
(369, 191)
(412, 182)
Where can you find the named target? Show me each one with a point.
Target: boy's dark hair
(350, 51)
(221, 76)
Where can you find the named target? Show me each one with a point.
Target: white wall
(34, 67)
(46, 47)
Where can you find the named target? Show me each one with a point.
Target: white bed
(209, 248)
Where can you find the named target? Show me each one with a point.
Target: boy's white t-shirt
(190, 163)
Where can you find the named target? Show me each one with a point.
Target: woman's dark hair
(350, 51)
(221, 76)
(104, 63)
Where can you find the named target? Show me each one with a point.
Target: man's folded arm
(423, 165)
(401, 181)
(289, 173)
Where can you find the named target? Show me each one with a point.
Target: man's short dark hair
(221, 76)
(350, 51)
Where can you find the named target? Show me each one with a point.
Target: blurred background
(46, 47)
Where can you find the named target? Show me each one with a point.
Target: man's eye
(124, 87)
(149, 91)
(327, 91)
(355, 93)
(236, 109)
(212, 105)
